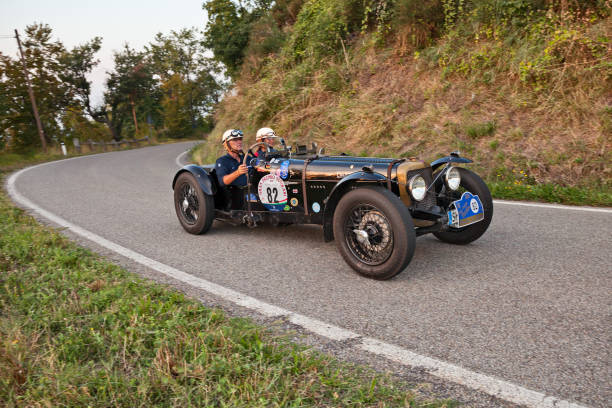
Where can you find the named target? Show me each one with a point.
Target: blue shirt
(226, 165)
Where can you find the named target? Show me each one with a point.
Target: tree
(77, 64)
(228, 29)
(127, 87)
(43, 61)
(187, 80)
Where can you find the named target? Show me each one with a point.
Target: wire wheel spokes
(188, 203)
(369, 234)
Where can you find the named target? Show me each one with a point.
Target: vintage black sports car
(374, 208)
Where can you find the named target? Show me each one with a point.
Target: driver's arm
(229, 178)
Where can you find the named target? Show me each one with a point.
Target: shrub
(334, 79)
(416, 23)
(321, 27)
(265, 38)
(479, 130)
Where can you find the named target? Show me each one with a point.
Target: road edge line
(553, 206)
(177, 161)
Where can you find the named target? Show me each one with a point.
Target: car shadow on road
(432, 257)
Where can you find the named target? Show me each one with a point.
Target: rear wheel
(374, 232)
(474, 184)
(194, 209)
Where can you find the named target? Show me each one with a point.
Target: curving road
(528, 304)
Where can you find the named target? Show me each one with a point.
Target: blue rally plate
(466, 211)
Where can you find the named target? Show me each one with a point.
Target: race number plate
(466, 211)
(272, 192)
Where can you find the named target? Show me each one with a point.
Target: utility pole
(134, 115)
(41, 133)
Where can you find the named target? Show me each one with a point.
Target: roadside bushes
(321, 27)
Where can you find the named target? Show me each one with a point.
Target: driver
(265, 135)
(230, 170)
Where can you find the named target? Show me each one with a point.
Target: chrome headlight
(453, 178)
(418, 187)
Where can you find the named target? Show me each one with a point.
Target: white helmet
(265, 133)
(231, 134)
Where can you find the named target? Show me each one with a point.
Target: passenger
(229, 168)
(265, 135)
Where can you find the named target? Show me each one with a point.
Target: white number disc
(474, 205)
(272, 192)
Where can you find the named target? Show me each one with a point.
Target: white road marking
(490, 385)
(554, 206)
(501, 389)
(178, 158)
(321, 328)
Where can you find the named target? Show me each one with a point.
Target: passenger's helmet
(265, 133)
(231, 134)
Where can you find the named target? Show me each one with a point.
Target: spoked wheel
(194, 209)
(374, 232)
(368, 234)
(188, 201)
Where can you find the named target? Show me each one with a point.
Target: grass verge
(551, 193)
(76, 330)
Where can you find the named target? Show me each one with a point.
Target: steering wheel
(250, 149)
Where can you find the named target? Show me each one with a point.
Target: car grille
(430, 198)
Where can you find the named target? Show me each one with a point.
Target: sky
(117, 22)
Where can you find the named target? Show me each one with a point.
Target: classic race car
(374, 208)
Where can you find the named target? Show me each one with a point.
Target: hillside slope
(529, 100)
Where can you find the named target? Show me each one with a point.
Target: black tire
(474, 184)
(194, 209)
(391, 239)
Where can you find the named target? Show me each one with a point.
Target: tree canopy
(169, 87)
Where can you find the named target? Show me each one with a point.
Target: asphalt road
(530, 302)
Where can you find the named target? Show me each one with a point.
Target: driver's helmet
(231, 134)
(265, 133)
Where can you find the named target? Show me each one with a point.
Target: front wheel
(474, 184)
(194, 209)
(374, 232)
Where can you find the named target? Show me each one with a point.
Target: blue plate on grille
(466, 211)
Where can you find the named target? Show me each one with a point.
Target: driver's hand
(242, 169)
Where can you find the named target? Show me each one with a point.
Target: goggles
(236, 133)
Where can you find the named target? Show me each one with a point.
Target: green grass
(551, 193)
(478, 130)
(76, 330)
(11, 161)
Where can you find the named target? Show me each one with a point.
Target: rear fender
(339, 190)
(203, 178)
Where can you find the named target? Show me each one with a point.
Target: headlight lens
(418, 187)
(453, 178)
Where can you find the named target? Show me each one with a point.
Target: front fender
(449, 159)
(206, 184)
(338, 191)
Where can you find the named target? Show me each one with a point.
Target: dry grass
(395, 104)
